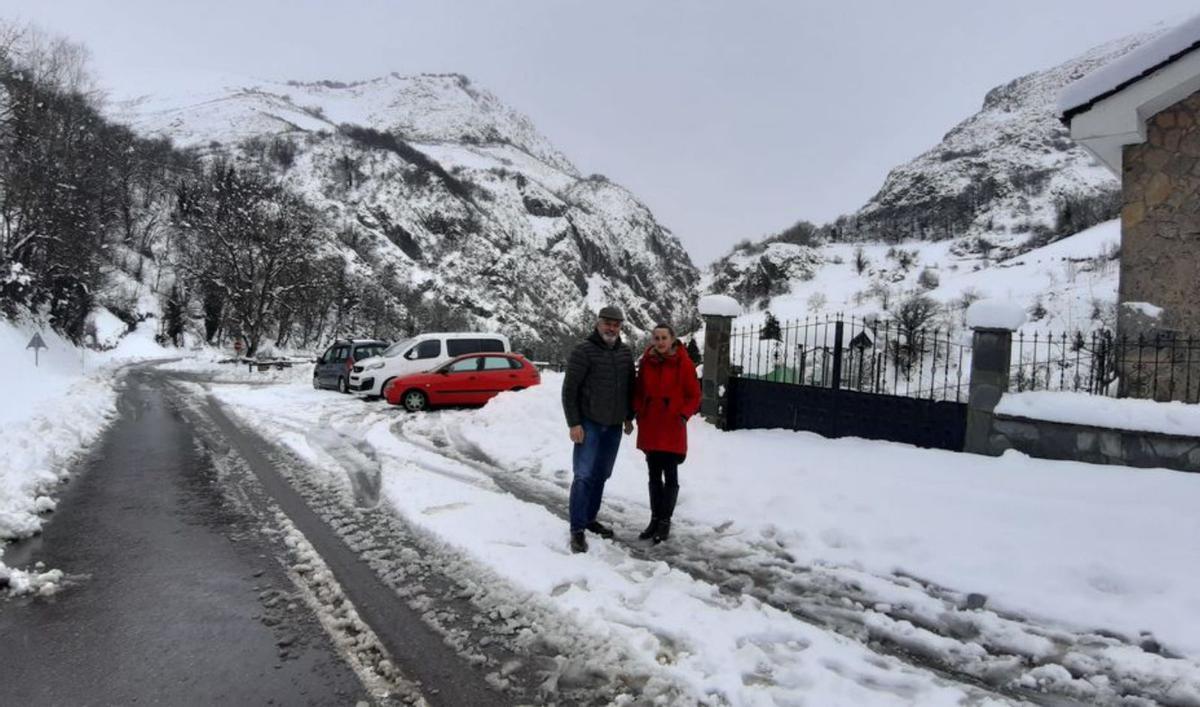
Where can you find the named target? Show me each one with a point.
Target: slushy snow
(1072, 549)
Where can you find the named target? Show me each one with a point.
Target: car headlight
(373, 366)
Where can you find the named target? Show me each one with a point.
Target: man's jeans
(593, 463)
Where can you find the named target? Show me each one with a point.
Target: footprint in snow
(446, 507)
(564, 587)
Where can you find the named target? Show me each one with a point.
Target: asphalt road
(174, 596)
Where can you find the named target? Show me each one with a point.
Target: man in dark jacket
(597, 397)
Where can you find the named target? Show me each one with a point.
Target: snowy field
(803, 569)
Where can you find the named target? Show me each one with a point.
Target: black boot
(578, 542)
(665, 511)
(656, 499)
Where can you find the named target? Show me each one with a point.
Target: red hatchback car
(470, 379)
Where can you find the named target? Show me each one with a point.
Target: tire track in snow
(934, 628)
(529, 652)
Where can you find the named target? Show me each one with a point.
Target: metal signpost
(36, 344)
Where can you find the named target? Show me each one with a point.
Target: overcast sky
(729, 119)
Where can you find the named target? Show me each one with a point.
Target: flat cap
(611, 312)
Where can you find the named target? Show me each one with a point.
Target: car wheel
(316, 382)
(415, 401)
(517, 389)
(342, 387)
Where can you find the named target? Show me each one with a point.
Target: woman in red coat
(665, 396)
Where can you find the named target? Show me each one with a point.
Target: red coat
(665, 395)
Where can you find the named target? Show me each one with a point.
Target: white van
(418, 354)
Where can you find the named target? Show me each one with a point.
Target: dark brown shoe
(602, 530)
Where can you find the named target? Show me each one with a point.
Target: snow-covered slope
(1004, 181)
(426, 108)
(1007, 173)
(435, 186)
(1067, 285)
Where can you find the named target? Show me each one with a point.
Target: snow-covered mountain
(435, 186)
(1004, 181)
(1010, 171)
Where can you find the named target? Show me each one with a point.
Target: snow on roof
(1130, 68)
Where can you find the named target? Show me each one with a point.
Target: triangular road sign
(36, 342)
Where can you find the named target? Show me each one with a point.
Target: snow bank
(35, 451)
(995, 314)
(109, 328)
(52, 412)
(1173, 418)
(1108, 77)
(719, 306)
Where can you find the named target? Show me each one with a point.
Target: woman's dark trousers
(664, 484)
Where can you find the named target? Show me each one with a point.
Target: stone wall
(1160, 222)
(1097, 445)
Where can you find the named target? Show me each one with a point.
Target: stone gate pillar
(993, 323)
(718, 312)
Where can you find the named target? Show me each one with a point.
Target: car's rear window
(496, 363)
(458, 347)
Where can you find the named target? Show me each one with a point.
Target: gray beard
(609, 339)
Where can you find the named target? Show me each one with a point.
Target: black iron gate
(832, 412)
(850, 378)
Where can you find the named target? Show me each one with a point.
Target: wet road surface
(173, 596)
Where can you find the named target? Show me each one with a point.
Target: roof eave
(1118, 118)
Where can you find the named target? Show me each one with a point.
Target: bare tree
(53, 61)
(861, 262)
(251, 249)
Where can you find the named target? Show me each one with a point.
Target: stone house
(1140, 116)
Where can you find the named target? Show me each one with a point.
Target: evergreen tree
(174, 316)
(770, 328)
